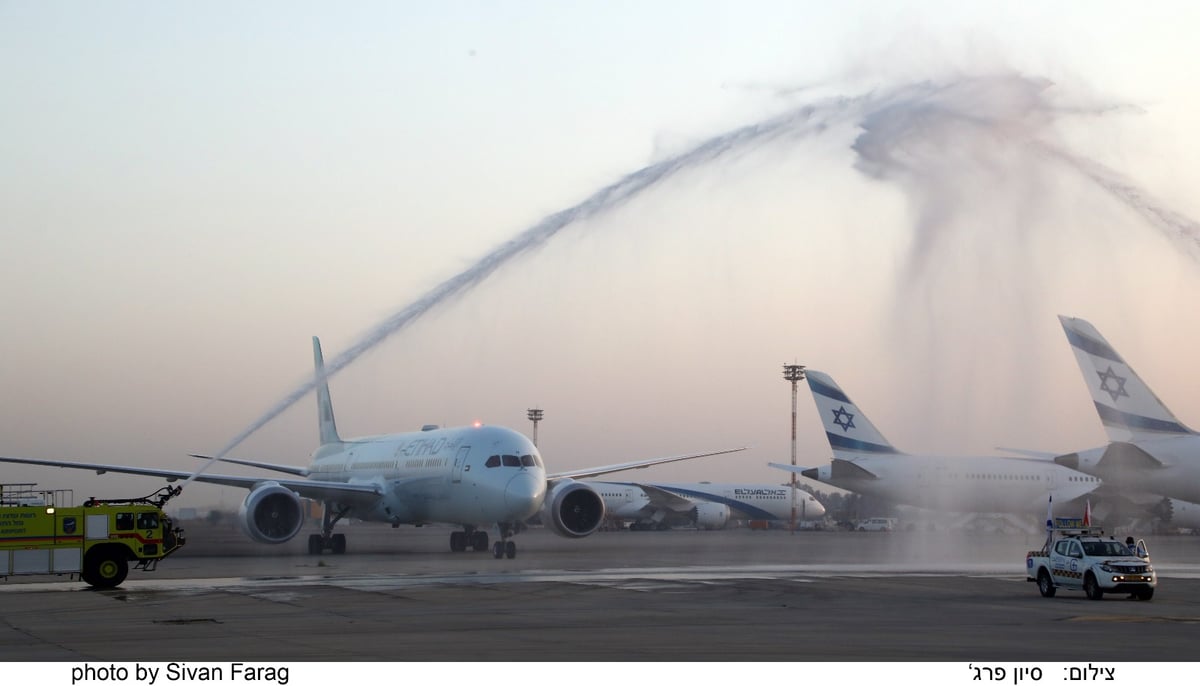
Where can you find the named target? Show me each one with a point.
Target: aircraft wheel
(458, 541)
(479, 541)
(498, 550)
(510, 550)
(339, 544)
(315, 545)
(1091, 588)
(1045, 584)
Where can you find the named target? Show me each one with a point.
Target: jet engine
(271, 513)
(710, 515)
(572, 509)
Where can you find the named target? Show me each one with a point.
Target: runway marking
(1131, 619)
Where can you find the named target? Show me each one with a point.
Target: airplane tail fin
(1128, 408)
(325, 421)
(849, 431)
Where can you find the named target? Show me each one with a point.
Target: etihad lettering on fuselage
(762, 492)
(426, 446)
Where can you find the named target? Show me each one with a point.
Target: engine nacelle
(572, 509)
(271, 514)
(710, 515)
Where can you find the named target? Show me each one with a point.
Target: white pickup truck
(1084, 559)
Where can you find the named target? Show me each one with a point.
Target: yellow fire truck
(95, 542)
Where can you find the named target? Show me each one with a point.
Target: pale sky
(189, 192)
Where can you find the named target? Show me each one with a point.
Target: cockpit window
(493, 461)
(528, 461)
(511, 461)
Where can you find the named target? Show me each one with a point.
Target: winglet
(325, 421)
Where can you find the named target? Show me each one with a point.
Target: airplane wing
(275, 467)
(320, 490)
(1036, 454)
(642, 464)
(665, 499)
(788, 467)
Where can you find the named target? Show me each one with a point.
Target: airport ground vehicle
(40, 534)
(877, 524)
(1080, 558)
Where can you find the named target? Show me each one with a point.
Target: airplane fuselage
(466, 475)
(625, 500)
(1167, 466)
(966, 484)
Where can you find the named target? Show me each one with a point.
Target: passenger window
(147, 520)
(124, 521)
(493, 461)
(512, 461)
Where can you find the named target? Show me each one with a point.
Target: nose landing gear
(505, 547)
(327, 540)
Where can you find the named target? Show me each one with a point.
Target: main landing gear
(460, 540)
(327, 540)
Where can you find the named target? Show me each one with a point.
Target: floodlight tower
(793, 373)
(535, 416)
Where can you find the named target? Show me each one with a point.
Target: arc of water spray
(1178, 227)
(889, 120)
(800, 121)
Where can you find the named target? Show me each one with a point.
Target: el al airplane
(704, 505)
(865, 462)
(1149, 449)
(473, 476)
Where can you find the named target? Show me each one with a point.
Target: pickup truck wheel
(1045, 585)
(1091, 588)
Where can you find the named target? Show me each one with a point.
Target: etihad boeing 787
(473, 477)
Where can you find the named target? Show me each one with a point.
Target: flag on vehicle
(1087, 514)
(1050, 514)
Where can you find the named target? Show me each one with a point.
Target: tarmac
(734, 595)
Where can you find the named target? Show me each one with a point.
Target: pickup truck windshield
(1105, 548)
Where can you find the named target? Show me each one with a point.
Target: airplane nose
(815, 508)
(523, 495)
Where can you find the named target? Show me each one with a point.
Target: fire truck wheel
(105, 568)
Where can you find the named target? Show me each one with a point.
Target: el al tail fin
(1129, 410)
(849, 431)
(325, 421)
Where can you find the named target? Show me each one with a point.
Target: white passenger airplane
(865, 462)
(1149, 449)
(704, 505)
(472, 476)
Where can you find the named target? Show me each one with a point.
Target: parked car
(877, 524)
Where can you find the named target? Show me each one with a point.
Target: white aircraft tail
(325, 421)
(849, 431)
(1129, 410)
